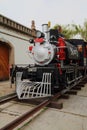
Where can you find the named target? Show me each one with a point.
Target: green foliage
(83, 30)
(71, 30)
(66, 30)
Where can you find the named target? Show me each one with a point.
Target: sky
(61, 12)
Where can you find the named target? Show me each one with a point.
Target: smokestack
(45, 30)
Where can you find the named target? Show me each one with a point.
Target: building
(14, 43)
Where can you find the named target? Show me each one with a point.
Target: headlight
(39, 34)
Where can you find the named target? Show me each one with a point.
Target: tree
(83, 30)
(71, 30)
(66, 30)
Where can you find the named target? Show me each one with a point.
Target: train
(58, 64)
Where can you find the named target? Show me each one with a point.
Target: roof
(4, 21)
(76, 41)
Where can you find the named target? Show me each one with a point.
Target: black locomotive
(58, 63)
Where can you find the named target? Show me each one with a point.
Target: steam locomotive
(58, 63)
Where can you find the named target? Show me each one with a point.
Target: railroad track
(47, 102)
(8, 98)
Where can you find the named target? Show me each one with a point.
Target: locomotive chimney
(45, 30)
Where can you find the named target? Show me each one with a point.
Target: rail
(45, 103)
